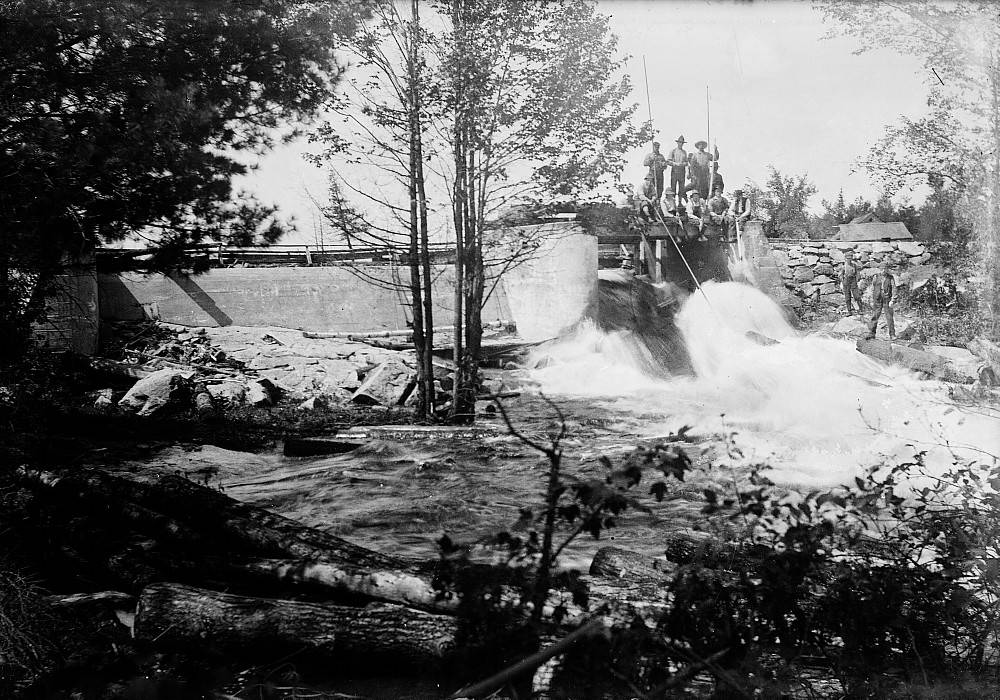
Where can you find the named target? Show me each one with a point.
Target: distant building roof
(894, 231)
(867, 218)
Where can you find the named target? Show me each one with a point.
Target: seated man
(717, 207)
(696, 214)
(646, 199)
(739, 214)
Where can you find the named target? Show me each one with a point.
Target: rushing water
(811, 406)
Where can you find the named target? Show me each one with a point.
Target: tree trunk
(192, 618)
(228, 522)
(420, 288)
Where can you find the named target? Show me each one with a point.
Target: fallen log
(192, 619)
(911, 358)
(231, 524)
(391, 586)
(621, 564)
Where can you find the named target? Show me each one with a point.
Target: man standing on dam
(657, 163)
(677, 159)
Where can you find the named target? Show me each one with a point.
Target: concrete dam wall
(543, 295)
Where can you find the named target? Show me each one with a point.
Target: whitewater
(810, 405)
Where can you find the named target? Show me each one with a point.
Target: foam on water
(812, 406)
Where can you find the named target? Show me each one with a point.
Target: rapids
(810, 405)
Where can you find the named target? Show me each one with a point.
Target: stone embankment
(811, 269)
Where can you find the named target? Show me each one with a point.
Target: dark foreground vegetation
(872, 590)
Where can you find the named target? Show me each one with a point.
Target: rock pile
(227, 367)
(810, 269)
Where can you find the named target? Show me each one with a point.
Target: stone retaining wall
(811, 269)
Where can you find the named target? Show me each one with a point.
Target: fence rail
(299, 255)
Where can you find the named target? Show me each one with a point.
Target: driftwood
(194, 618)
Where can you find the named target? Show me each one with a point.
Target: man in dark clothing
(677, 159)
(883, 291)
(849, 283)
(717, 207)
(701, 164)
(657, 163)
(739, 213)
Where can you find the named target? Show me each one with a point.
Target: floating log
(193, 618)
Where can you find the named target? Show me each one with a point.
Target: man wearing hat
(677, 159)
(656, 163)
(849, 283)
(739, 212)
(701, 166)
(883, 290)
(717, 207)
(696, 213)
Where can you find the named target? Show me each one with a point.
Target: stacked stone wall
(811, 269)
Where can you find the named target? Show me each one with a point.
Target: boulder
(803, 274)
(910, 248)
(389, 384)
(262, 392)
(811, 259)
(341, 373)
(103, 398)
(313, 403)
(821, 279)
(228, 394)
(165, 387)
(882, 247)
(827, 288)
(826, 269)
(988, 352)
(851, 326)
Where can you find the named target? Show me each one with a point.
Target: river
(811, 406)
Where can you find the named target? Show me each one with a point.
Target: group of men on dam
(683, 204)
(693, 200)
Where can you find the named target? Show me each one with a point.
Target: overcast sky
(778, 94)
